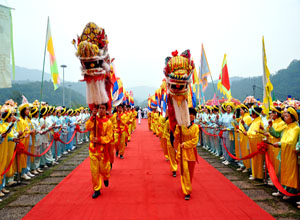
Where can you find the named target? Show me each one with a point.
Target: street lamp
(70, 95)
(63, 66)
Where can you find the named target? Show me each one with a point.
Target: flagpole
(41, 96)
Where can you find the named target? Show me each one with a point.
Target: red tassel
(175, 53)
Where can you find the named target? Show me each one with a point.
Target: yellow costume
(257, 161)
(113, 120)
(10, 151)
(120, 132)
(189, 138)
(278, 126)
(163, 140)
(244, 142)
(3, 151)
(23, 126)
(149, 120)
(156, 122)
(134, 114)
(99, 153)
(170, 148)
(289, 166)
(129, 124)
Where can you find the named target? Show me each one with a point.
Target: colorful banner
(5, 47)
(204, 70)
(53, 64)
(224, 83)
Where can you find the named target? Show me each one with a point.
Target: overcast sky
(142, 33)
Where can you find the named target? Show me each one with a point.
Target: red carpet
(141, 187)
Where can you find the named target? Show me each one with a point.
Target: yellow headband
(244, 106)
(293, 112)
(275, 110)
(255, 111)
(35, 110)
(45, 112)
(8, 114)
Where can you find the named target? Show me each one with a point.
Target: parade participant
(86, 116)
(113, 120)
(243, 126)
(163, 140)
(204, 121)
(276, 126)
(139, 115)
(129, 114)
(6, 148)
(289, 144)
(64, 131)
(50, 123)
(46, 159)
(37, 141)
(120, 131)
(187, 155)
(101, 131)
(134, 114)
(57, 129)
(177, 71)
(9, 120)
(149, 120)
(71, 128)
(219, 122)
(227, 123)
(255, 136)
(3, 155)
(215, 141)
(24, 128)
(170, 147)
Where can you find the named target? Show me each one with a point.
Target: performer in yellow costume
(163, 140)
(113, 119)
(120, 131)
(276, 126)
(23, 126)
(129, 114)
(10, 141)
(134, 114)
(187, 153)
(290, 145)
(149, 120)
(255, 136)
(101, 134)
(170, 148)
(244, 125)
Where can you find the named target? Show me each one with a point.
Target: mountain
(285, 82)
(25, 75)
(29, 75)
(140, 93)
(31, 90)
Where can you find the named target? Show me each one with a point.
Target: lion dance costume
(178, 72)
(92, 51)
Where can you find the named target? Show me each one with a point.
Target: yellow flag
(268, 87)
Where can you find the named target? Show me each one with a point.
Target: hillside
(285, 82)
(31, 90)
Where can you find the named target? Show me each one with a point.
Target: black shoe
(110, 165)
(174, 174)
(121, 157)
(187, 197)
(96, 194)
(106, 183)
(117, 153)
